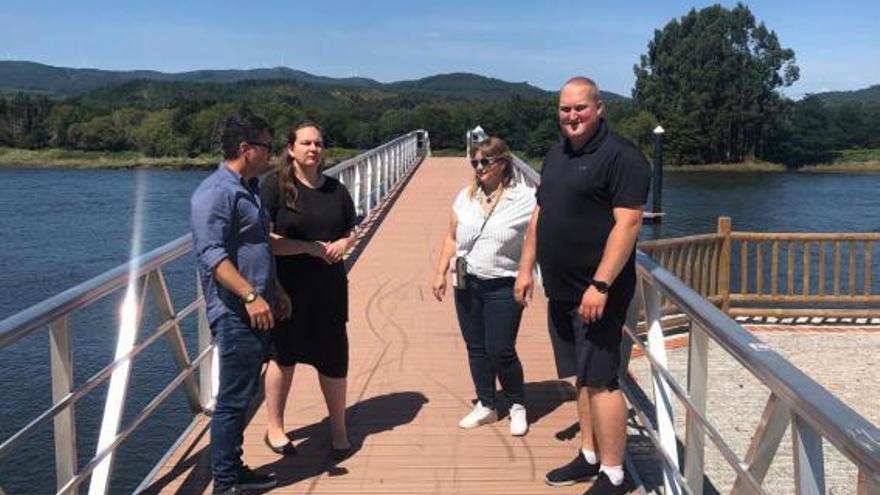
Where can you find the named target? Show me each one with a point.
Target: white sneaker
(479, 415)
(519, 423)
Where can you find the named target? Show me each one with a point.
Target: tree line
(711, 78)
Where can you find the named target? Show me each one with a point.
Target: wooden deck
(408, 384)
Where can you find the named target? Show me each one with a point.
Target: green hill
(869, 95)
(153, 87)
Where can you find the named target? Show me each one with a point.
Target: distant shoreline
(843, 167)
(123, 160)
(56, 158)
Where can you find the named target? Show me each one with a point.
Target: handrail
(830, 274)
(23, 323)
(813, 412)
(370, 176)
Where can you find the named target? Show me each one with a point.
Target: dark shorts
(591, 352)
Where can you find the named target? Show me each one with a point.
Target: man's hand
(524, 287)
(260, 313)
(283, 306)
(592, 305)
(438, 288)
(317, 249)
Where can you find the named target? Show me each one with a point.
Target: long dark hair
(285, 165)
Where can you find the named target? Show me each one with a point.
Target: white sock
(590, 456)
(614, 473)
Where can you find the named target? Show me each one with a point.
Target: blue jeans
(242, 351)
(489, 319)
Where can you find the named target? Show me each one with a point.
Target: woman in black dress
(313, 220)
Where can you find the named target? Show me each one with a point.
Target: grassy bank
(61, 158)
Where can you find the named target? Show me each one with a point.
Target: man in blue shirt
(237, 271)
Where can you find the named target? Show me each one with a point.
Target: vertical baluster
(695, 436)
(759, 268)
(806, 290)
(869, 246)
(836, 268)
(852, 268)
(679, 269)
(821, 268)
(790, 267)
(707, 257)
(716, 257)
(809, 460)
(61, 364)
(689, 266)
(774, 268)
(744, 267)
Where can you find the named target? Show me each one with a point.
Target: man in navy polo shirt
(231, 240)
(583, 233)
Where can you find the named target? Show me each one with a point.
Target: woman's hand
(334, 251)
(438, 288)
(524, 287)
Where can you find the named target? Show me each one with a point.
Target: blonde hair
(498, 149)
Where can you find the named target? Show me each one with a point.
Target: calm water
(60, 228)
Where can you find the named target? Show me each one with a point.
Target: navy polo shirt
(578, 193)
(229, 222)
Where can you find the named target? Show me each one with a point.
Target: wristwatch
(600, 286)
(251, 296)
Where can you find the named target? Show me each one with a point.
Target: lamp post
(657, 194)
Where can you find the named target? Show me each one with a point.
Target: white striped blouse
(495, 253)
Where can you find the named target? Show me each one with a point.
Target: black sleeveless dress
(315, 333)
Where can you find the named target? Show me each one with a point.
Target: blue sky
(837, 44)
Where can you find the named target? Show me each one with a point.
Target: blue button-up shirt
(229, 222)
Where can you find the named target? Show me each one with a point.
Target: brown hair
(286, 167)
(497, 148)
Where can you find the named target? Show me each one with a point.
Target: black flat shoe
(341, 454)
(287, 449)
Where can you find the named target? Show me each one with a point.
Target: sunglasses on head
(485, 161)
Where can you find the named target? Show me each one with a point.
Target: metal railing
(777, 274)
(815, 415)
(369, 176)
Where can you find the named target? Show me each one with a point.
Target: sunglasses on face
(485, 161)
(268, 145)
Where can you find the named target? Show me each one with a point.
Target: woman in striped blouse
(486, 230)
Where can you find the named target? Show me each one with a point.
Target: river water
(62, 227)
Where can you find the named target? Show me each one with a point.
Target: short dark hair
(238, 128)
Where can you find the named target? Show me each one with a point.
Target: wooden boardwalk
(408, 383)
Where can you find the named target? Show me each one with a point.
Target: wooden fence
(777, 274)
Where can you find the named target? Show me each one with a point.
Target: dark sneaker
(574, 472)
(232, 490)
(252, 480)
(603, 486)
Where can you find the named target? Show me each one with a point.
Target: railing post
(869, 483)
(174, 338)
(370, 181)
(662, 394)
(695, 435)
(206, 377)
(809, 460)
(724, 229)
(61, 362)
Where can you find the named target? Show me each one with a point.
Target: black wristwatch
(600, 286)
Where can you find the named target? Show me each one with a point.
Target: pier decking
(408, 384)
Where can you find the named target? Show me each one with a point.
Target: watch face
(600, 286)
